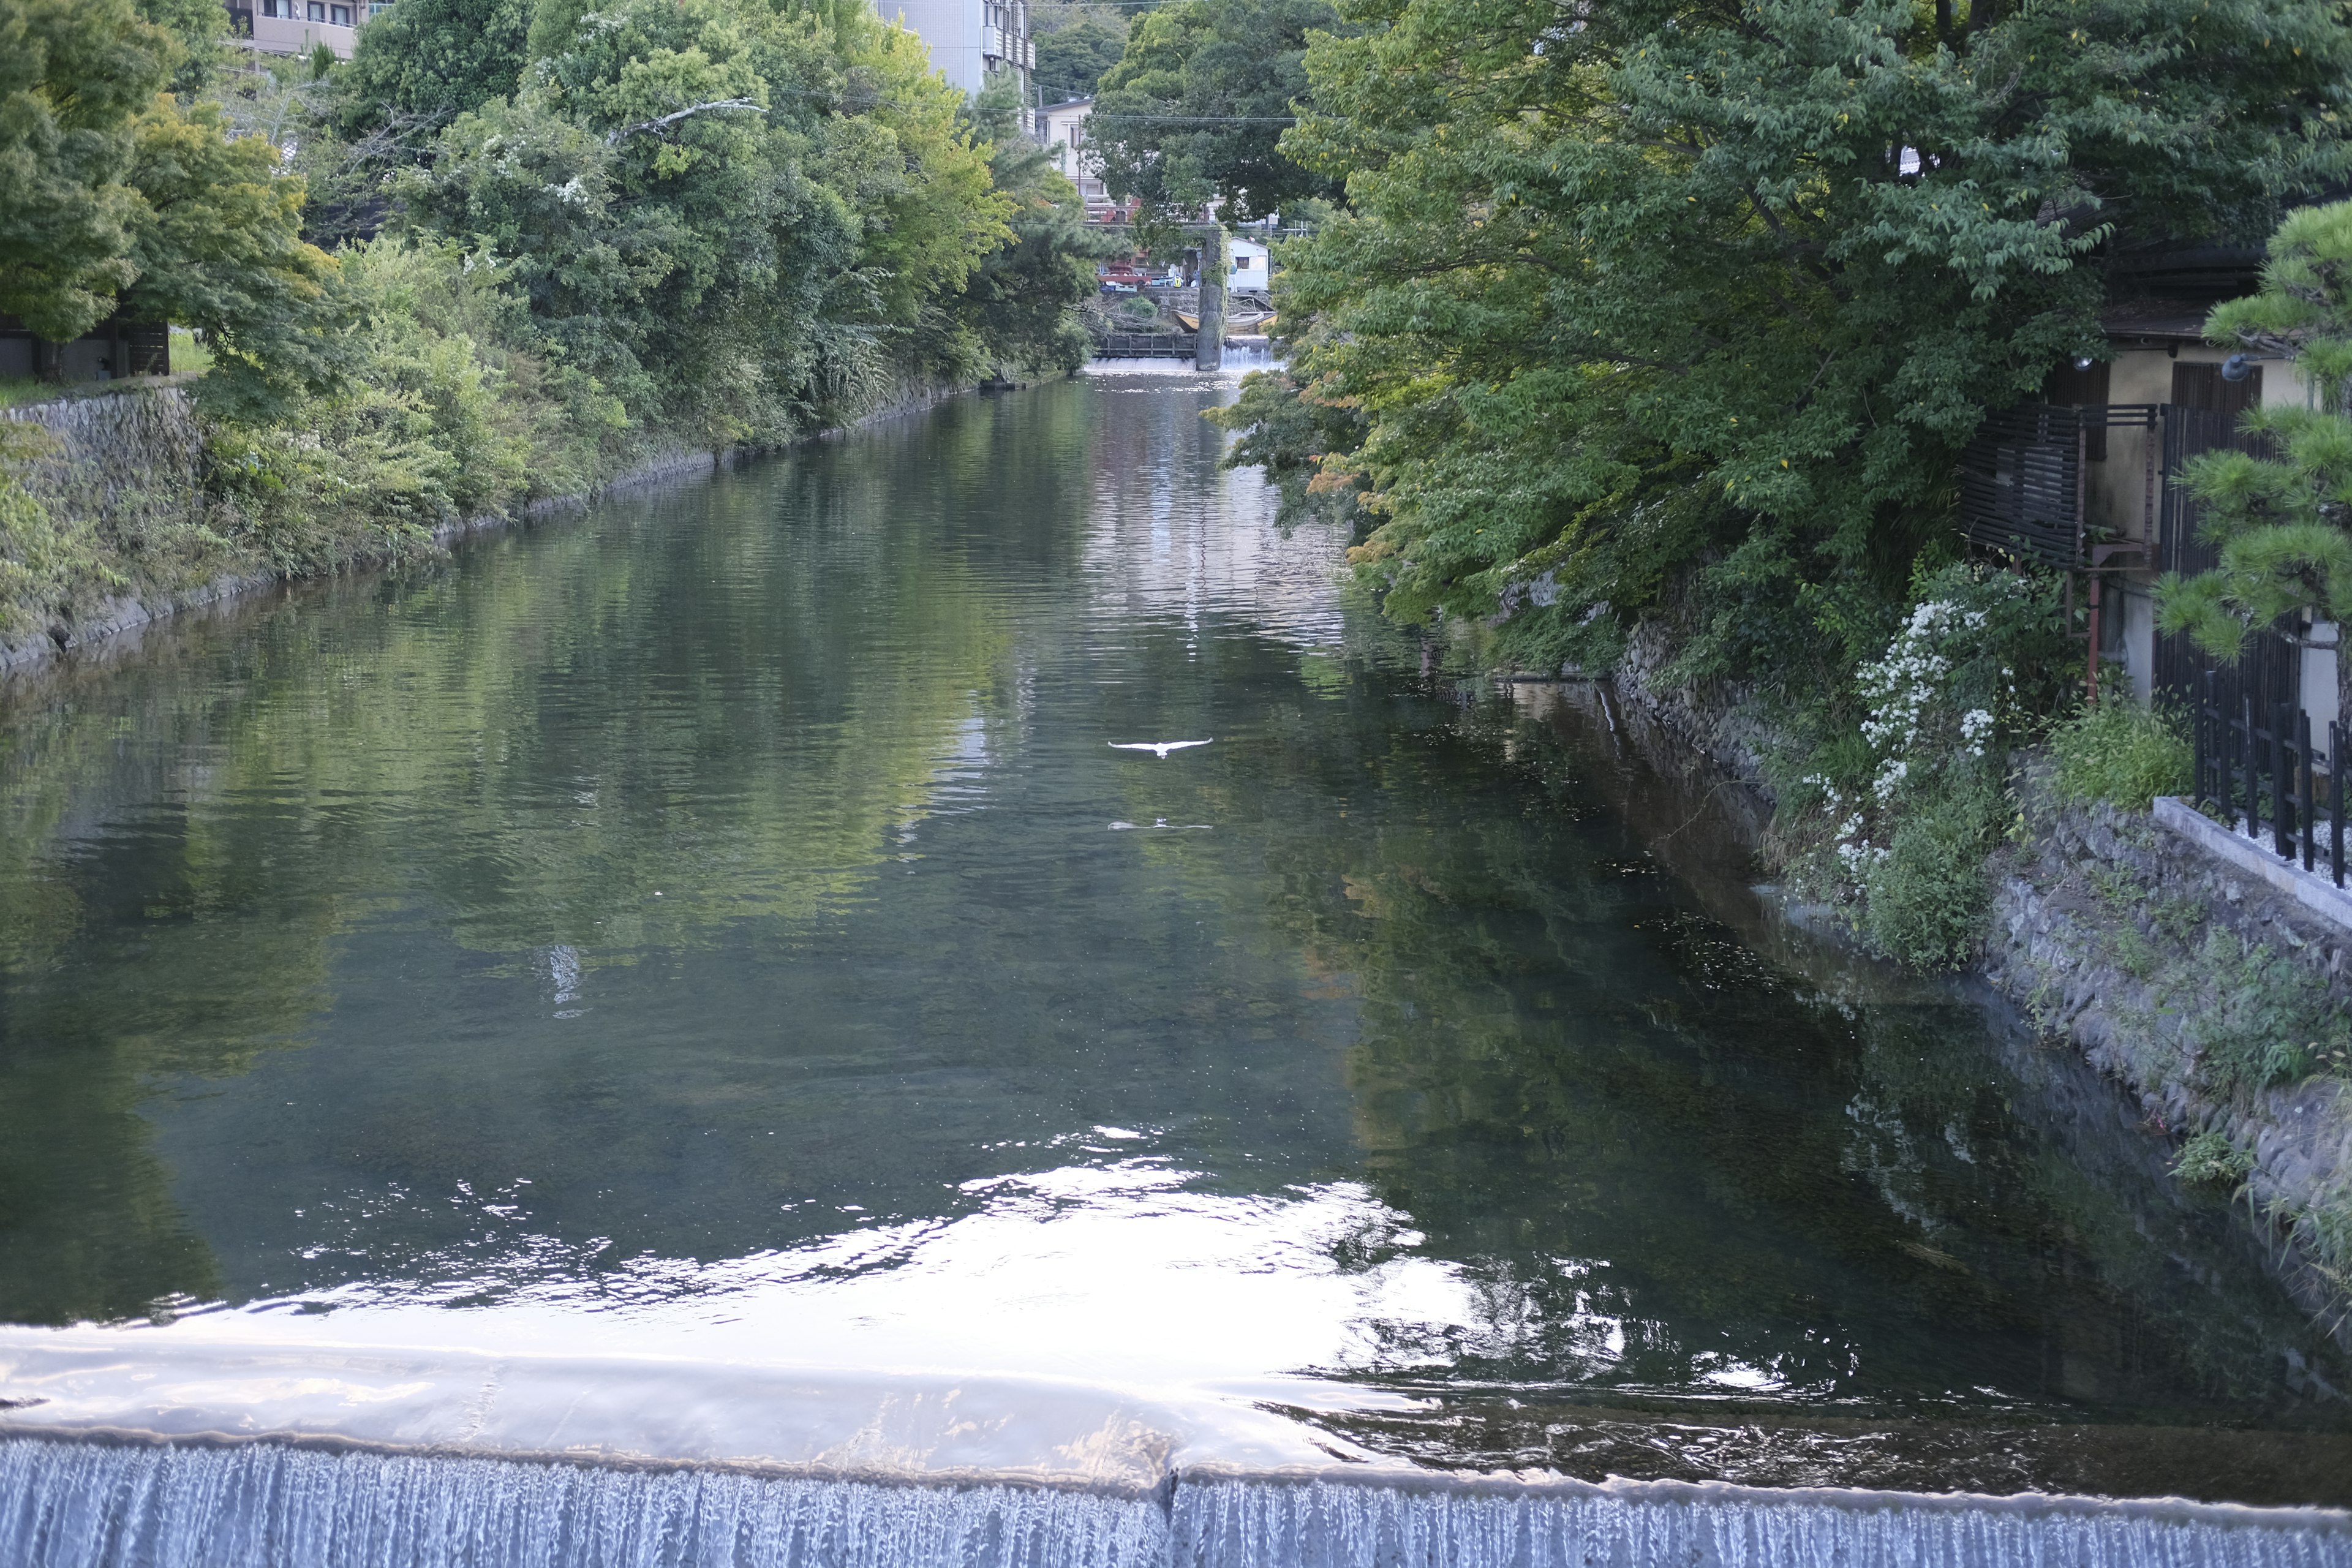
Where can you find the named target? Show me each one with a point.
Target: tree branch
(613, 138)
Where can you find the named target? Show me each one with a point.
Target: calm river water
(721, 923)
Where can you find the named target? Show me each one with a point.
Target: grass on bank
(2122, 754)
(189, 354)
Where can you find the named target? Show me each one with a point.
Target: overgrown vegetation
(1893, 820)
(2122, 754)
(549, 243)
(2210, 1159)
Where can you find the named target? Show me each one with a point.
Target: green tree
(201, 29)
(739, 220)
(2283, 523)
(1022, 298)
(74, 75)
(219, 248)
(1072, 59)
(1196, 107)
(432, 59)
(1699, 302)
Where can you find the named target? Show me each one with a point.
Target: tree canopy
(1071, 58)
(435, 59)
(1197, 105)
(1696, 303)
(112, 194)
(74, 76)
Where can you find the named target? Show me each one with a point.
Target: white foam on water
(1237, 362)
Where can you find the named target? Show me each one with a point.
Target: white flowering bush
(1906, 808)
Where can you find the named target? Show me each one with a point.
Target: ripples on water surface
(719, 924)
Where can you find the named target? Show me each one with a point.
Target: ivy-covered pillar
(1209, 348)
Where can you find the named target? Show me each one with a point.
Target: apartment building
(300, 27)
(971, 41)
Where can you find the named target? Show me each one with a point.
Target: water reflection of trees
(184, 843)
(1667, 1164)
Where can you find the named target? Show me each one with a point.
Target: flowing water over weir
(692, 1034)
(261, 1506)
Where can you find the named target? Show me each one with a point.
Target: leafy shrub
(2122, 754)
(2210, 1159)
(1923, 902)
(1898, 814)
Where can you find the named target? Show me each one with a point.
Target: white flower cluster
(1855, 850)
(1910, 720)
(1903, 684)
(1976, 729)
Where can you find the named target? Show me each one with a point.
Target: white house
(1250, 269)
(971, 40)
(1064, 132)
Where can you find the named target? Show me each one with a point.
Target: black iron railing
(2256, 765)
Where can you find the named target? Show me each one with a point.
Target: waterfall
(263, 1505)
(1246, 1523)
(259, 1505)
(1242, 357)
(1155, 364)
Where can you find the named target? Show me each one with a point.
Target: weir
(267, 1505)
(118, 1452)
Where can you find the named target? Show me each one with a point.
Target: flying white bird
(1161, 747)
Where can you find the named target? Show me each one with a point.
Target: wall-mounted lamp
(2084, 362)
(2237, 367)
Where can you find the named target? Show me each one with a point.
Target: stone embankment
(130, 462)
(2163, 964)
(2156, 961)
(1716, 721)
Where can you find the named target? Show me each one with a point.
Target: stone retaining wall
(2102, 930)
(125, 462)
(2129, 940)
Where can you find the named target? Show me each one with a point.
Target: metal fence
(2272, 664)
(2257, 766)
(1144, 345)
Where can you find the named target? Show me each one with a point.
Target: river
(726, 922)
